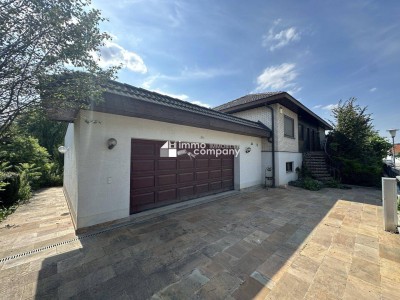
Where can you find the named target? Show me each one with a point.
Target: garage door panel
(166, 179)
(146, 198)
(227, 183)
(167, 165)
(166, 195)
(215, 174)
(185, 164)
(142, 165)
(143, 182)
(215, 185)
(215, 163)
(227, 173)
(227, 162)
(202, 188)
(203, 175)
(185, 177)
(143, 148)
(201, 163)
(157, 181)
(185, 192)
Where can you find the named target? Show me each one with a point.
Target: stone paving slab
(260, 244)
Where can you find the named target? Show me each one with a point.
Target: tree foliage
(42, 41)
(355, 146)
(50, 134)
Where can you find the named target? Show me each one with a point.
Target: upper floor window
(288, 127)
(301, 132)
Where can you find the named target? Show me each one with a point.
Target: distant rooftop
(247, 99)
(284, 98)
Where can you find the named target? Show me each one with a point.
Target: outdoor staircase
(315, 161)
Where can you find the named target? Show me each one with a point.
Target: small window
(289, 167)
(289, 127)
(301, 132)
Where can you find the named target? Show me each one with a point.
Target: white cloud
(317, 106)
(197, 73)
(330, 106)
(373, 89)
(149, 81)
(112, 54)
(182, 97)
(276, 39)
(200, 103)
(278, 78)
(187, 74)
(177, 96)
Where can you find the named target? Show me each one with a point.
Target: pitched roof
(284, 98)
(246, 99)
(123, 89)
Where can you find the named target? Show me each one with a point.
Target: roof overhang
(285, 100)
(124, 105)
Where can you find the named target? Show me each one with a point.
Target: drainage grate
(90, 235)
(82, 237)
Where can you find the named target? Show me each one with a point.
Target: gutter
(272, 140)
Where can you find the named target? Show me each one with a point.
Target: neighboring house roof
(246, 99)
(396, 149)
(256, 100)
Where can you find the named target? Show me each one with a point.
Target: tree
(355, 146)
(42, 41)
(50, 134)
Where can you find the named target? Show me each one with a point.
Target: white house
(139, 150)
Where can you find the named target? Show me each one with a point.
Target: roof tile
(246, 99)
(145, 95)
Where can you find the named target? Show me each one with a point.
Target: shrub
(52, 175)
(312, 184)
(308, 184)
(332, 184)
(9, 192)
(28, 177)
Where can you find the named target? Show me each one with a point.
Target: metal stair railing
(332, 165)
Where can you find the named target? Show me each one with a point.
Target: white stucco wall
(261, 114)
(104, 175)
(281, 158)
(70, 170)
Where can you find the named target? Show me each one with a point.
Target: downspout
(273, 143)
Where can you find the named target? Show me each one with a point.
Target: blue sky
(210, 52)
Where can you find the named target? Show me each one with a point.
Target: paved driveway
(274, 244)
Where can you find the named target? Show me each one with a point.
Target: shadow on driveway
(265, 243)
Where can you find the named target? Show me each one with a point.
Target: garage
(157, 181)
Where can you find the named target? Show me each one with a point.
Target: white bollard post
(389, 198)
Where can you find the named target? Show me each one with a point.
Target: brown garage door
(158, 181)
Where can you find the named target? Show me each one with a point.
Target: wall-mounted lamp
(247, 150)
(62, 149)
(281, 110)
(111, 143)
